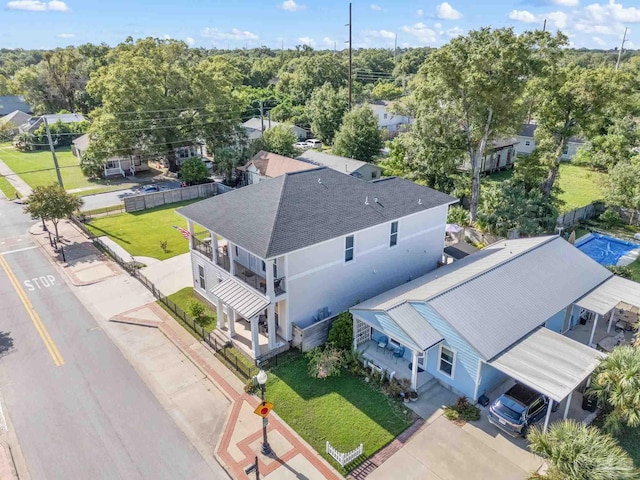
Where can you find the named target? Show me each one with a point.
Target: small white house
(117, 165)
(264, 165)
(305, 246)
(500, 155)
(387, 120)
(527, 143)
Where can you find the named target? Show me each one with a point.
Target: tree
(226, 160)
(324, 362)
(480, 79)
(301, 76)
(570, 101)
(52, 203)
(616, 385)
(624, 184)
(193, 171)
(580, 452)
(280, 139)
(359, 136)
(341, 333)
(326, 108)
(386, 91)
(606, 150)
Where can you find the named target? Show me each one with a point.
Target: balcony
(223, 259)
(202, 246)
(258, 282)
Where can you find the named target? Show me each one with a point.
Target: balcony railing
(204, 247)
(223, 260)
(258, 282)
(279, 285)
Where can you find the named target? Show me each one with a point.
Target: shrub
(250, 386)
(396, 388)
(620, 270)
(610, 218)
(196, 310)
(341, 333)
(324, 362)
(163, 246)
(462, 411)
(352, 361)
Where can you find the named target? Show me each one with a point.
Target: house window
(385, 116)
(527, 143)
(203, 284)
(374, 174)
(264, 266)
(393, 238)
(565, 150)
(236, 249)
(447, 360)
(348, 248)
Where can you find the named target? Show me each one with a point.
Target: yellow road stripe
(42, 331)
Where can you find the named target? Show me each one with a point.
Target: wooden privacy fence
(344, 458)
(149, 200)
(576, 215)
(312, 336)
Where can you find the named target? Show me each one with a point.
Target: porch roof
(404, 324)
(548, 362)
(606, 296)
(245, 301)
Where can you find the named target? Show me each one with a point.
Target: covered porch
(247, 318)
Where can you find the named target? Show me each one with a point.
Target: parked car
(314, 143)
(301, 145)
(517, 409)
(150, 189)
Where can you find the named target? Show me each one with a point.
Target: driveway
(445, 451)
(109, 199)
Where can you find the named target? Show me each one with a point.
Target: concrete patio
(582, 333)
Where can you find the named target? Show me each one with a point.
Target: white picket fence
(344, 458)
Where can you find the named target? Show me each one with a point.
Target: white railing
(344, 458)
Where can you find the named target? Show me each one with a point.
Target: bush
(610, 218)
(250, 386)
(462, 411)
(196, 310)
(324, 362)
(396, 387)
(620, 270)
(352, 361)
(341, 333)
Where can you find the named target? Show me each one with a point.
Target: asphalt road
(78, 408)
(108, 199)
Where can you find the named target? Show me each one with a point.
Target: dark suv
(517, 409)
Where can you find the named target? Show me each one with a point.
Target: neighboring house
(10, 103)
(391, 122)
(198, 150)
(253, 128)
(13, 121)
(514, 310)
(266, 165)
(305, 246)
(349, 166)
(526, 142)
(118, 165)
(34, 122)
(500, 155)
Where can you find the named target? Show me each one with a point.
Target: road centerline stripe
(35, 318)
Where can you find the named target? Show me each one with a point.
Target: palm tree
(616, 384)
(576, 451)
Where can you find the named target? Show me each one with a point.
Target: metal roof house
(511, 310)
(34, 123)
(348, 166)
(305, 246)
(254, 128)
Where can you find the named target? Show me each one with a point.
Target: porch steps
(425, 387)
(218, 339)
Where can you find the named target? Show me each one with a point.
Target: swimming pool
(608, 250)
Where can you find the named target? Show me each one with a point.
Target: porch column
(232, 323)
(546, 419)
(232, 258)
(219, 314)
(214, 245)
(610, 321)
(271, 323)
(255, 337)
(593, 330)
(190, 227)
(414, 371)
(566, 407)
(355, 330)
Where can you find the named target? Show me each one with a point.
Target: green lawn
(185, 297)
(580, 185)
(37, 168)
(140, 233)
(7, 188)
(343, 410)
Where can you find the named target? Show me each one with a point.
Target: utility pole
(53, 152)
(544, 25)
(395, 49)
(350, 57)
(624, 39)
(261, 117)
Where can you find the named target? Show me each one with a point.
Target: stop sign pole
(261, 378)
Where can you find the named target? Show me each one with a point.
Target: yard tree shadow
(109, 234)
(6, 343)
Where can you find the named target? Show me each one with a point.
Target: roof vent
(320, 181)
(419, 201)
(366, 200)
(376, 200)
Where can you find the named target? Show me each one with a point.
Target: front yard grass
(185, 297)
(344, 410)
(580, 185)
(140, 233)
(7, 188)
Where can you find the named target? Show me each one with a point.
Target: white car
(314, 143)
(301, 145)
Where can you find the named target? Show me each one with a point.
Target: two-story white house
(308, 245)
(527, 143)
(392, 123)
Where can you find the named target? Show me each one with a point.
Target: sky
(318, 23)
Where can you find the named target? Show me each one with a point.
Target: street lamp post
(262, 380)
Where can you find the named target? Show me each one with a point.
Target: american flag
(185, 233)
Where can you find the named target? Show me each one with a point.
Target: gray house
(34, 122)
(527, 142)
(13, 120)
(349, 166)
(10, 103)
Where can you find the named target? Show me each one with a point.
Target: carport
(550, 363)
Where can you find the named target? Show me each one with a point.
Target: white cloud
(307, 41)
(373, 6)
(66, 35)
(447, 12)
(523, 16)
(420, 12)
(190, 41)
(379, 34)
(599, 41)
(612, 11)
(454, 32)
(437, 25)
(37, 6)
(423, 33)
(233, 34)
(559, 19)
(292, 6)
(329, 42)
(566, 3)
(166, 36)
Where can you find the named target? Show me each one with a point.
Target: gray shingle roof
(335, 162)
(528, 130)
(300, 209)
(9, 103)
(16, 118)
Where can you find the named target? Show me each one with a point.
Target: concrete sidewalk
(16, 182)
(170, 275)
